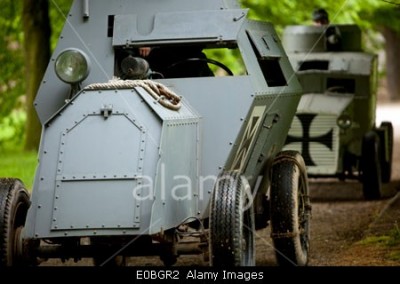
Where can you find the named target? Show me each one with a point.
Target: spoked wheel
(231, 222)
(370, 167)
(14, 204)
(290, 209)
(385, 132)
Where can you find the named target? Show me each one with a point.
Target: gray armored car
(334, 127)
(146, 151)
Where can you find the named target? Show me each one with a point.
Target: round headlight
(72, 66)
(344, 122)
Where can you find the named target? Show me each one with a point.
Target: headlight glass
(344, 122)
(72, 66)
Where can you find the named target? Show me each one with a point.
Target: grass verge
(19, 164)
(391, 242)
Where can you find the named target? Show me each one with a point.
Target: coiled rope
(158, 91)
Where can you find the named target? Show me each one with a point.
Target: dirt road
(340, 217)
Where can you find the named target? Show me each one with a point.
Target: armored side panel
(272, 108)
(338, 86)
(114, 161)
(304, 39)
(101, 156)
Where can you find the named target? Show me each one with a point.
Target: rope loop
(158, 91)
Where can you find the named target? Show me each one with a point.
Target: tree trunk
(36, 26)
(392, 48)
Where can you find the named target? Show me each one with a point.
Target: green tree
(283, 13)
(370, 15)
(36, 26)
(37, 45)
(387, 19)
(16, 65)
(11, 60)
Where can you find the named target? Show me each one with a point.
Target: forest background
(29, 30)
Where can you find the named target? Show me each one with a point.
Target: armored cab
(146, 150)
(334, 127)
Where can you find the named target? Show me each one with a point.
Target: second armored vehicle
(334, 127)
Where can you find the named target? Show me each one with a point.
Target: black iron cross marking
(306, 139)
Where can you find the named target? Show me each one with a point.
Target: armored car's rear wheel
(14, 204)
(370, 166)
(290, 209)
(231, 223)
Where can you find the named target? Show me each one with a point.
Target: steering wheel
(207, 60)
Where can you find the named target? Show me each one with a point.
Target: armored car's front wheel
(290, 209)
(231, 222)
(385, 132)
(14, 204)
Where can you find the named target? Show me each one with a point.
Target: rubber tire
(231, 223)
(14, 205)
(386, 127)
(370, 167)
(290, 209)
